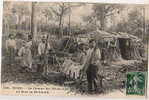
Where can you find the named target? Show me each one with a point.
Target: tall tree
(102, 11)
(32, 18)
(48, 14)
(21, 10)
(134, 25)
(8, 16)
(61, 10)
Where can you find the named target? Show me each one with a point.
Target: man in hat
(11, 48)
(93, 60)
(41, 52)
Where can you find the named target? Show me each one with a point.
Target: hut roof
(99, 34)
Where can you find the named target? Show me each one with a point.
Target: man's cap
(10, 35)
(91, 40)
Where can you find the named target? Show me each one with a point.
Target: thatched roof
(99, 35)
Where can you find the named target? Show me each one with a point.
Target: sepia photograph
(74, 49)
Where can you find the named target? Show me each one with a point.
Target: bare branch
(55, 12)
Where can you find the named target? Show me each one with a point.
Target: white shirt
(29, 44)
(96, 56)
(10, 43)
(41, 48)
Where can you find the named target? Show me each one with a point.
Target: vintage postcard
(74, 49)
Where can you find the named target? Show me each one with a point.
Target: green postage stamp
(136, 83)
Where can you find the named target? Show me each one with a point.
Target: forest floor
(114, 76)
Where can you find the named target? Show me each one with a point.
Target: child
(11, 48)
(25, 53)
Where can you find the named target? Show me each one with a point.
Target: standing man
(41, 52)
(11, 48)
(93, 60)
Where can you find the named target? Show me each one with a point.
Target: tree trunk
(60, 26)
(32, 21)
(4, 28)
(102, 19)
(7, 28)
(19, 24)
(26, 26)
(144, 27)
(69, 21)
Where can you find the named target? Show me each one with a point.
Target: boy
(25, 53)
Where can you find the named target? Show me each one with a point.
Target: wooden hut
(118, 46)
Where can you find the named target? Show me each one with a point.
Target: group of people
(24, 51)
(91, 61)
